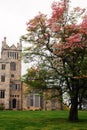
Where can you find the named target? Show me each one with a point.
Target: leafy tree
(60, 43)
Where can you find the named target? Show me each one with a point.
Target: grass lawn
(40, 120)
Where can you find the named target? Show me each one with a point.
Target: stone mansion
(12, 90)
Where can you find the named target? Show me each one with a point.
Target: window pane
(13, 66)
(3, 66)
(2, 93)
(2, 78)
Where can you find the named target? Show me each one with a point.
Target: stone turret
(4, 45)
(19, 45)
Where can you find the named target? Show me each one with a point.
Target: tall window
(13, 55)
(37, 100)
(2, 78)
(31, 100)
(12, 66)
(2, 93)
(34, 100)
(3, 66)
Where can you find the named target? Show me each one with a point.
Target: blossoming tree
(60, 43)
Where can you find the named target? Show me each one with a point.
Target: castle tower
(10, 74)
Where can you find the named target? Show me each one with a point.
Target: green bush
(2, 106)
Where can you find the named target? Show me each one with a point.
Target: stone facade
(40, 99)
(10, 74)
(14, 94)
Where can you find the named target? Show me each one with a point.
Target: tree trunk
(73, 114)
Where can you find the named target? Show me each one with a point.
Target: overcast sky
(15, 13)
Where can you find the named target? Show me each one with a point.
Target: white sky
(15, 13)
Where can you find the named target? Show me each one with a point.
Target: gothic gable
(13, 47)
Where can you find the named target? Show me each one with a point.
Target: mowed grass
(41, 120)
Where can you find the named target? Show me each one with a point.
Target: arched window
(12, 66)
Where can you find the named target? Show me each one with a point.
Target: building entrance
(14, 103)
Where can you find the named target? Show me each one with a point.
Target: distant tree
(35, 78)
(60, 43)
